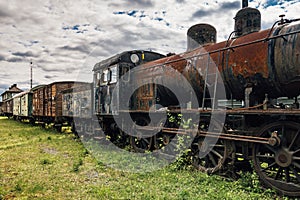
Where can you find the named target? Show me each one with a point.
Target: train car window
(104, 77)
(114, 74)
(108, 75)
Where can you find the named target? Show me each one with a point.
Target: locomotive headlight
(134, 58)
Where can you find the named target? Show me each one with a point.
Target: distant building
(12, 91)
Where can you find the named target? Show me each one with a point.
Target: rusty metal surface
(243, 66)
(163, 72)
(243, 62)
(240, 61)
(240, 65)
(286, 59)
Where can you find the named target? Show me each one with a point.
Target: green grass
(42, 164)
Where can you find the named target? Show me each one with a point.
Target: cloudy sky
(64, 38)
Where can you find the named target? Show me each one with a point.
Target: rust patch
(251, 59)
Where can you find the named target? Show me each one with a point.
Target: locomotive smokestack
(245, 3)
(200, 34)
(247, 20)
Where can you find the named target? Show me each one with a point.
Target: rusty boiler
(264, 61)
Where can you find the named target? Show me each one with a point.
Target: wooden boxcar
(38, 101)
(47, 102)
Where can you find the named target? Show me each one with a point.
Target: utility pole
(31, 74)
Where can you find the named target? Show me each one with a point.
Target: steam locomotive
(257, 67)
(229, 96)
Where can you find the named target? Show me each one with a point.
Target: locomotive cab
(107, 73)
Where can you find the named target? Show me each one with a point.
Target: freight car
(42, 104)
(7, 107)
(254, 66)
(47, 103)
(77, 108)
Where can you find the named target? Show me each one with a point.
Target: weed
(46, 161)
(76, 165)
(2, 194)
(184, 194)
(249, 181)
(37, 188)
(18, 188)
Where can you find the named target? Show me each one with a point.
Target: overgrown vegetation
(42, 164)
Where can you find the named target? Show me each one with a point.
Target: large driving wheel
(279, 166)
(215, 153)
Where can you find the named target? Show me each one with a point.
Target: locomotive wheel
(279, 166)
(140, 143)
(215, 159)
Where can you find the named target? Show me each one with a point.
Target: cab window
(105, 76)
(113, 74)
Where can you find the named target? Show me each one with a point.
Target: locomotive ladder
(211, 81)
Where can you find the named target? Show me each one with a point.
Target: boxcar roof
(37, 87)
(21, 94)
(62, 82)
